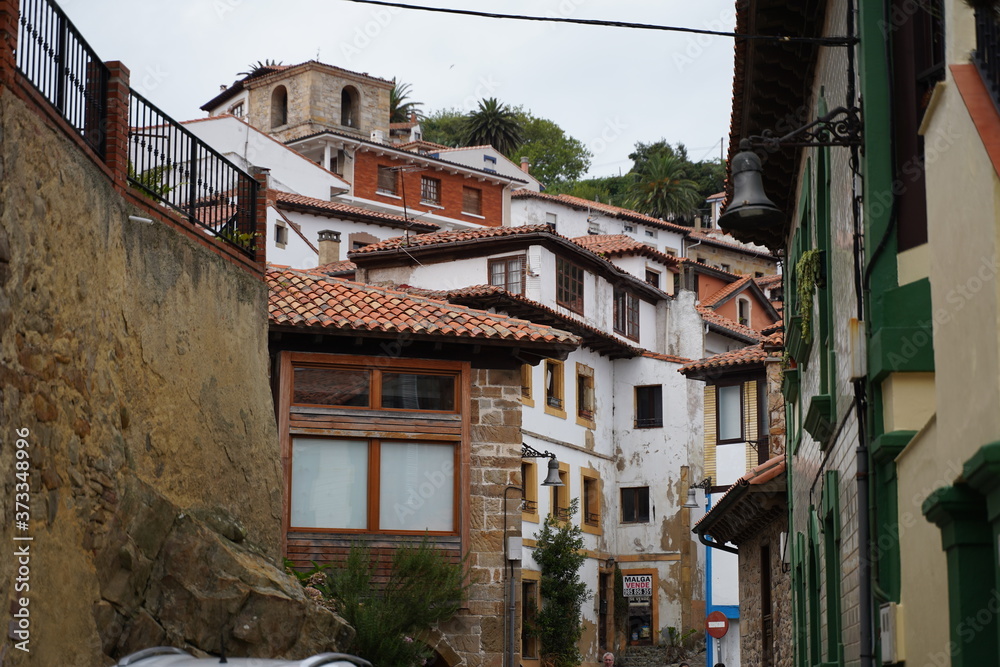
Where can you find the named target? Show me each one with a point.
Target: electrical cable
(831, 41)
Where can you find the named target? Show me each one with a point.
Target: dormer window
(743, 310)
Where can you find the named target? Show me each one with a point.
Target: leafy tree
(606, 189)
(555, 157)
(662, 188)
(494, 124)
(710, 175)
(424, 587)
(559, 554)
(400, 105)
(445, 127)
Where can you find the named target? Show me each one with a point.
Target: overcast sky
(608, 87)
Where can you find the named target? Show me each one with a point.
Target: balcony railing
(178, 170)
(987, 53)
(59, 63)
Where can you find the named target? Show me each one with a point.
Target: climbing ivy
(806, 279)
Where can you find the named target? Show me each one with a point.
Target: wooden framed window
(372, 485)
(386, 181)
(626, 314)
(653, 278)
(585, 395)
(472, 201)
(569, 285)
(649, 406)
(590, 481)
(743, 311)
(508, 273)
(372, 445)
(430, 190)
(635, 504)
(561, 495)
(529, 482)
(530, 604)
(526, 385)
(280, 235)
(729, 413)
(554, 388)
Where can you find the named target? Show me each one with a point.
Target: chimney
(525, 164)
(329, 247)
(413, 116)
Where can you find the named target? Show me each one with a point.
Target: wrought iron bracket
(529, 452)
(840, 127)
(704, 484)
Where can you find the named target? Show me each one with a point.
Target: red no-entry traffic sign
(717, 625)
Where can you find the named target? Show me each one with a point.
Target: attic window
(743, 306)
(629, 228)
(237, 110)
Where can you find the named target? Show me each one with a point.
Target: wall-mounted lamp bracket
(840, 127)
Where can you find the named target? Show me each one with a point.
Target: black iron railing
(60, 64)
(178, 170)
(987, 53)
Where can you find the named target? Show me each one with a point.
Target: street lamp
(692, 501)
(552, 479)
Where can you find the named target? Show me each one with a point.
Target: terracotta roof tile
(714, 319)
(310, 299)
(334, 208)
(747, 356)
(735, 245)
(765, 282)
(756, 476)
(616, 245)
(616, 211)
(344, 266)
(591, 335)
(666, 357)
(439, 238)
(725, 292)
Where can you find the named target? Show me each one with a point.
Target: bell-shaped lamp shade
(750, 209)
(692, 501)
(552, 479)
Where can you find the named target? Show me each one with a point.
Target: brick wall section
(751, 630)
(366, 182)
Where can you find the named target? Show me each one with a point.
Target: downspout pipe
(510, 622)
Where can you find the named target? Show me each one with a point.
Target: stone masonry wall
(133, 359)
(751, 631)
(476, 635)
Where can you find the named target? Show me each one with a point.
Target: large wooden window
(526, 385)
(569, 285)
(508, 273)
(373, 485)
(626, 314)
(472, 201)
(372, 445)
(386, 181)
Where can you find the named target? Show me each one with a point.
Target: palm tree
(494, 124)
(400, 106)
(662, 189)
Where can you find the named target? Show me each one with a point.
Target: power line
(830, 41)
